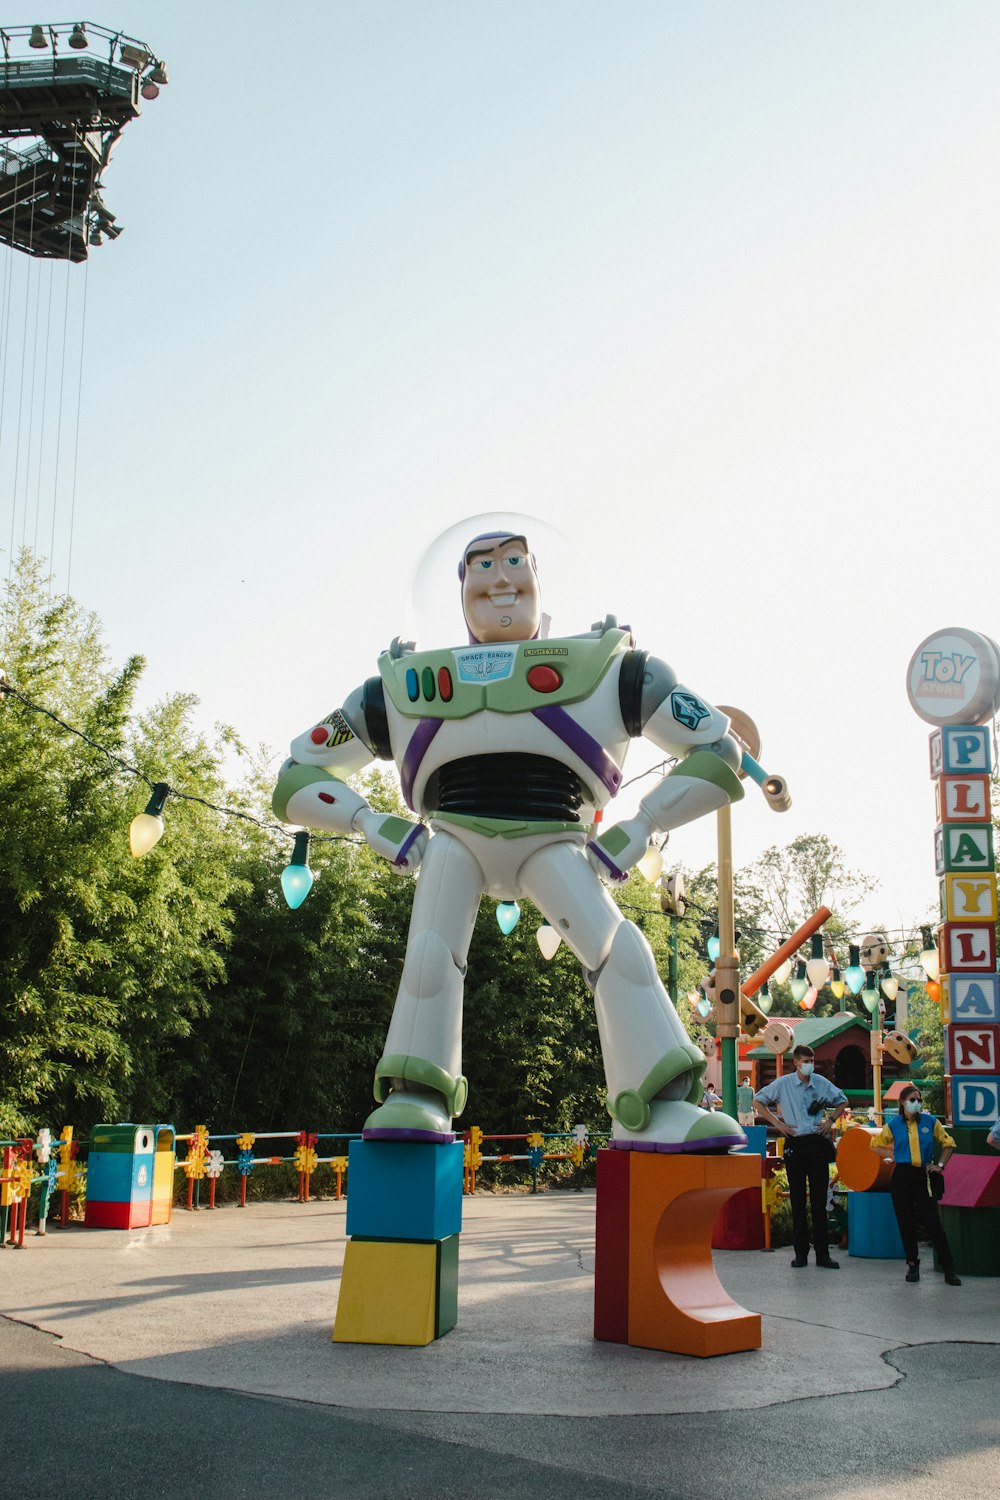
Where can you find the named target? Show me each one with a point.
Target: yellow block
(969, 898)
(388, 1293)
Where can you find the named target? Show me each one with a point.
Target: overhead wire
(8, 690)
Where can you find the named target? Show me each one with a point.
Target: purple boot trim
(436, 1137)
(708, 1143)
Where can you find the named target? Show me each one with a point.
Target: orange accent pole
(243, 1190)
(211, 1192)
(791, 946)
(190, 1192)
(64, 1212)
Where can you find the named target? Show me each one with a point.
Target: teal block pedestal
(401, 1190)
(872, 1231)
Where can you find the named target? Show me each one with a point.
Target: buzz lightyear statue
(507, 749)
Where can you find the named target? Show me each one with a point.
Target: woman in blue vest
(911, 1138)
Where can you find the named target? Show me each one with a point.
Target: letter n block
(962, 799)
(655, 1285)
(968, 898)
(972, 1049)
(967, 947)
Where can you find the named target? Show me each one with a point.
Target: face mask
(913, 1106)
(805, 1068)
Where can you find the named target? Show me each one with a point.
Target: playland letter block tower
(404, 1215)
(964, 859)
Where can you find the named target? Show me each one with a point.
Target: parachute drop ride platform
(655, 1285)
(67, 91)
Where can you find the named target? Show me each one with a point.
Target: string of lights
(148, 827)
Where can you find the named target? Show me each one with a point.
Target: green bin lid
(130, 1140)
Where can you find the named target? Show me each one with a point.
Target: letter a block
(959, 847)
(970, 998)
(655, 1285)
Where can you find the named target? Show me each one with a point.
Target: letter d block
(654, 1274)
(403, 1190)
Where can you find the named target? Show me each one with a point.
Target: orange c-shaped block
(675, 1301)
(859, 1167)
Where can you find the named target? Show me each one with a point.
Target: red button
(319, 735)
(444, 684)
(544, 679)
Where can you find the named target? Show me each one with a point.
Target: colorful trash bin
(120, 1177)
(163, 1174)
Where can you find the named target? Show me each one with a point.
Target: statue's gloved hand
(400, 841)
(617, 849)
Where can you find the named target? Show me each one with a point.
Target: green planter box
(974, 1237)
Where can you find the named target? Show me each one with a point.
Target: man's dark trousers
(807, 1163)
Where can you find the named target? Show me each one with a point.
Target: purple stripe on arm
(619, 875)
(576, 738)
(399, 862)
(415, 751)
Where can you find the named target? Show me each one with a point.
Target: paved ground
(865, 1386)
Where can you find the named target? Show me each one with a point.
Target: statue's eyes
(515, 560)
(485, 563)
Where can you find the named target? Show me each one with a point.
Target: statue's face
(500, 590)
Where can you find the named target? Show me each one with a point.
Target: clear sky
(711, 286)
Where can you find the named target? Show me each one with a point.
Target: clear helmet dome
(571, 596)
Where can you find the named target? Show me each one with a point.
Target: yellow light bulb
(146, 828)
(650, 866)
(144, 832)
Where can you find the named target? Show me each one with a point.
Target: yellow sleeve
(884, 1138)
(942, 1137)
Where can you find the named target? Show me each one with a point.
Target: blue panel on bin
(402, 1190)
(872, 1231)
(109, 1177)
(756, 1139)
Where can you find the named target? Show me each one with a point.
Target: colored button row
(432, 687)
(541, 679)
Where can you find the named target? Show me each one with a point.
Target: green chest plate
(514, 679)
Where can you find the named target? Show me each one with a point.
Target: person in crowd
(803, 1098)
(911, 1138)
(993, 1139)
(744, 1103)
(710, 1099)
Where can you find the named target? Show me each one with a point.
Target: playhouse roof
(813, 1031)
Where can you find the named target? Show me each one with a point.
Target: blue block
(872, 1231)
(402, 1190)
(975, 1100)
(756, 1139)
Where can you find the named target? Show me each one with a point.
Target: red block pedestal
(655, 1284)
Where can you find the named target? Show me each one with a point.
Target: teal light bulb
(704, 1006)
(296, 877)
(713, 947)
(508, 916)
(855, 977)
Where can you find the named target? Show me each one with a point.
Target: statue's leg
(418, 1080)
(652, 1067)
